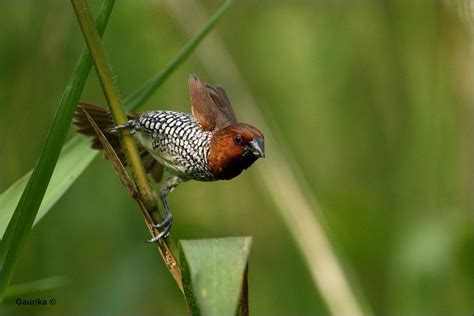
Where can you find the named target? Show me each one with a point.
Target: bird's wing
(210, 105)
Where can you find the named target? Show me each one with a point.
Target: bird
(207, 144)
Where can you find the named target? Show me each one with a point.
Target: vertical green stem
(114, 101)
(167, 247)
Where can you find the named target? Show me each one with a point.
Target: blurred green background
(373, 99)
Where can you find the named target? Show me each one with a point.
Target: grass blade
(139, 96)
(78, 145)
(25, 213)
(74, 159)
(27, 288)
(214, 275)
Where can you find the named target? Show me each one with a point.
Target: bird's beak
(257, 147)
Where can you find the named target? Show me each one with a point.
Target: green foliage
(140, 96)
(36, 286)
(75, 156)
(214, 274)
(25, 213)
(373, 99)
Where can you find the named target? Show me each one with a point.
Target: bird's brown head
(233, 149)
(234, 146)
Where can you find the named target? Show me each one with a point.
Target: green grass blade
(214, 274)
(74, 159)
(22, 289)
(77, 162)
(18, 229)
(139, 96)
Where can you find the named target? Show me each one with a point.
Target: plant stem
(113, 99)
(167, 247)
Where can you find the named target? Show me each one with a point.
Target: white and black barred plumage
(177, 141)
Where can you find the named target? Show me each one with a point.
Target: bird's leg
(171, 183)
(130, 125)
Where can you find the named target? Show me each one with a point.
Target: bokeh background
(373, 100)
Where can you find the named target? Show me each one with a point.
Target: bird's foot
(166, 221)
(166, 227)
(163, 234)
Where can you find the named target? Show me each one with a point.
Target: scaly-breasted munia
(208, 145)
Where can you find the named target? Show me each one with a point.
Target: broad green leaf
(74, 159)
(214, 275)
(10, 197)
(19, 228)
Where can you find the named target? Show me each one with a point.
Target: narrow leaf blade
(25, 213)
(139, 96)
(74, 159)
(27, 288)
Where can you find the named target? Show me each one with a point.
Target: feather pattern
(177, 141)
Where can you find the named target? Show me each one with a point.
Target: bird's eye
(238, 139)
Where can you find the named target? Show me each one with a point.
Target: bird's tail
(105, 122)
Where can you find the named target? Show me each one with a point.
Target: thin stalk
(114, 101)
(167, 247)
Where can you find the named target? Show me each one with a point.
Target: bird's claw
(166, 225)
(163, 234)
(166, 221)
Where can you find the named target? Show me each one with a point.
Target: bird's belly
(170, 163)
(166, 159)
(175, 162)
